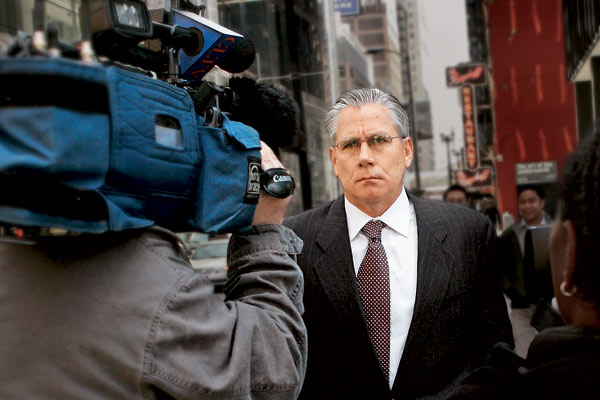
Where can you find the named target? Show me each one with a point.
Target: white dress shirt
(399, 239)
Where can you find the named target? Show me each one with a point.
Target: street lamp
(458, 155)
(412, 111)
(447, 139)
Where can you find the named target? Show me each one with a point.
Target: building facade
(377, 30)
(355, 66)
(412, 82)
(16, 15)
(533, 102)
(581, 20)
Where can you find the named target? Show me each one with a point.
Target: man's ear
(408, 151)
(570, 254)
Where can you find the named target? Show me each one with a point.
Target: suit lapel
(335, 270)
(334, 266)
(434, 265)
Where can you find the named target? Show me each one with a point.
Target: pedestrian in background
(490, 211)
(456, 194)
(531, 201)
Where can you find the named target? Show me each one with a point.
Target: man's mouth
(368, 178)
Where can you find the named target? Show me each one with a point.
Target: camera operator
(123, 315)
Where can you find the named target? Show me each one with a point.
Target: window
(370, 23)
(372, 39)
(380, 70)
(380, 56)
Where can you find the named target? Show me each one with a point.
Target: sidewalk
(523, 332)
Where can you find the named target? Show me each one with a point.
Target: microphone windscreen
(240, 58)
(269, 110)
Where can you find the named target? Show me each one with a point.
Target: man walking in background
(531, 201)
(456, 194)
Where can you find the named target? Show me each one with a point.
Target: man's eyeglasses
(375, 142)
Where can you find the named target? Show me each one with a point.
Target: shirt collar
(396, 217)
(543, 222)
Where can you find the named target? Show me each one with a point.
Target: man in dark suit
(402, 295)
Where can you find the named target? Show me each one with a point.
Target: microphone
(215, 42)
(240, 58)
(269, 110)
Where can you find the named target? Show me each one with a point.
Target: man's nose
(365, 155)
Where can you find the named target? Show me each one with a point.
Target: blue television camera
(98, 144)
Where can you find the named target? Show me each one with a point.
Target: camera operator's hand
(269, 210)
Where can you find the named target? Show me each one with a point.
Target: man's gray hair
(362, 96)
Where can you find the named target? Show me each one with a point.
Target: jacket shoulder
(449, 213)
(510, 233)
(309, 220)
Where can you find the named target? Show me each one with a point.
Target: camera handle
(213, 117)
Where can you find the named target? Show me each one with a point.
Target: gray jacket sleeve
(250, 346)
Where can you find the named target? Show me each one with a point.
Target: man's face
(371, 178)
(456, 196)
(530, 206)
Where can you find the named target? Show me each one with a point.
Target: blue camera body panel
(107, 170)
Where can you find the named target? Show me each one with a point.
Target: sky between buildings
(443, 31)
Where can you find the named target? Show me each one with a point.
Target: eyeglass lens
(375, 142)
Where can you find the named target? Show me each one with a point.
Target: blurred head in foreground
(576, 233)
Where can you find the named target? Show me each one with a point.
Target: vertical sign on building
(465, 76)
(470, 126)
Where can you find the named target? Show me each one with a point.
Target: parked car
(192, 240)
(210, 259)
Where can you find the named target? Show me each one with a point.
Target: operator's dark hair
(453, 188)
(537, 189)
(580, 195)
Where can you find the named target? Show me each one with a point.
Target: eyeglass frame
(366, 140)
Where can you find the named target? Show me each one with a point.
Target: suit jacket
(459, 310)
(512, 264)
